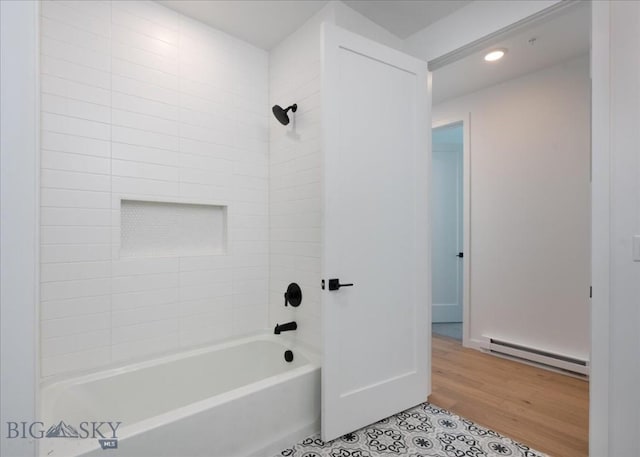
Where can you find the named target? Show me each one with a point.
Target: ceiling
(264, 23)
(405, 17)
(557, 39)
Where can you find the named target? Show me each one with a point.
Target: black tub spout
(285, 327)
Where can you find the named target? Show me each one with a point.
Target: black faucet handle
(293, 295)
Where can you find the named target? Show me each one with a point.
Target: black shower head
(281, 114)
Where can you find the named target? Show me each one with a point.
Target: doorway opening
(511, 194)
(448, 229)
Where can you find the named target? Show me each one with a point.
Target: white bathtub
(239, 398)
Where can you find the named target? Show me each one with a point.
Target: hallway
(542, 409)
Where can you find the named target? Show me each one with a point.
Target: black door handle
(460, 254)
(334, 284)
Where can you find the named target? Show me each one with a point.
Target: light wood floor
(544, 410)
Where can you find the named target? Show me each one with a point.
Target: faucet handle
(293, 295)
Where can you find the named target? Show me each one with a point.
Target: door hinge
(590, 291)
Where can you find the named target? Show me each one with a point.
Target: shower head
(281, 114)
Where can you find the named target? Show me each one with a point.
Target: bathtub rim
(142, 362)
(79, 447)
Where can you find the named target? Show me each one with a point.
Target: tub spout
(285, 327)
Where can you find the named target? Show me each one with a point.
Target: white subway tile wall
(139, 102)
(295, 181)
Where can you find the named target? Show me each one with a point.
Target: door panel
(447, 228)
(375, 333)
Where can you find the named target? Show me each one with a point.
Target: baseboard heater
(549, 359)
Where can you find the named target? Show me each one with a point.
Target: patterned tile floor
(423, 431)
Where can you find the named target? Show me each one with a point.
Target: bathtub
(239, 398)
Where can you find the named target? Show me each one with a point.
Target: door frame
(603, 324)
(464, 119)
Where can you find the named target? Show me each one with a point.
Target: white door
(447, 235)
(376, 131)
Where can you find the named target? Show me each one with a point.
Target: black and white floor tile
(423, 431)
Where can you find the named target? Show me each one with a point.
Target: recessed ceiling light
(494, 55)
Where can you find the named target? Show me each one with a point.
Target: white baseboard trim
(473, 343)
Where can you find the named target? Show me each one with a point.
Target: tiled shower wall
(295, 182)
(141, 103)
(295, 179)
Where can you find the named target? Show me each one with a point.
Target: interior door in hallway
(447, 228)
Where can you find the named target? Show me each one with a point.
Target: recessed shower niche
(157, 229)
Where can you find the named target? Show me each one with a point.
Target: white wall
(530, 236)
(140, 102)
(19, 234)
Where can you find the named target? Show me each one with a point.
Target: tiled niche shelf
(160, 229)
